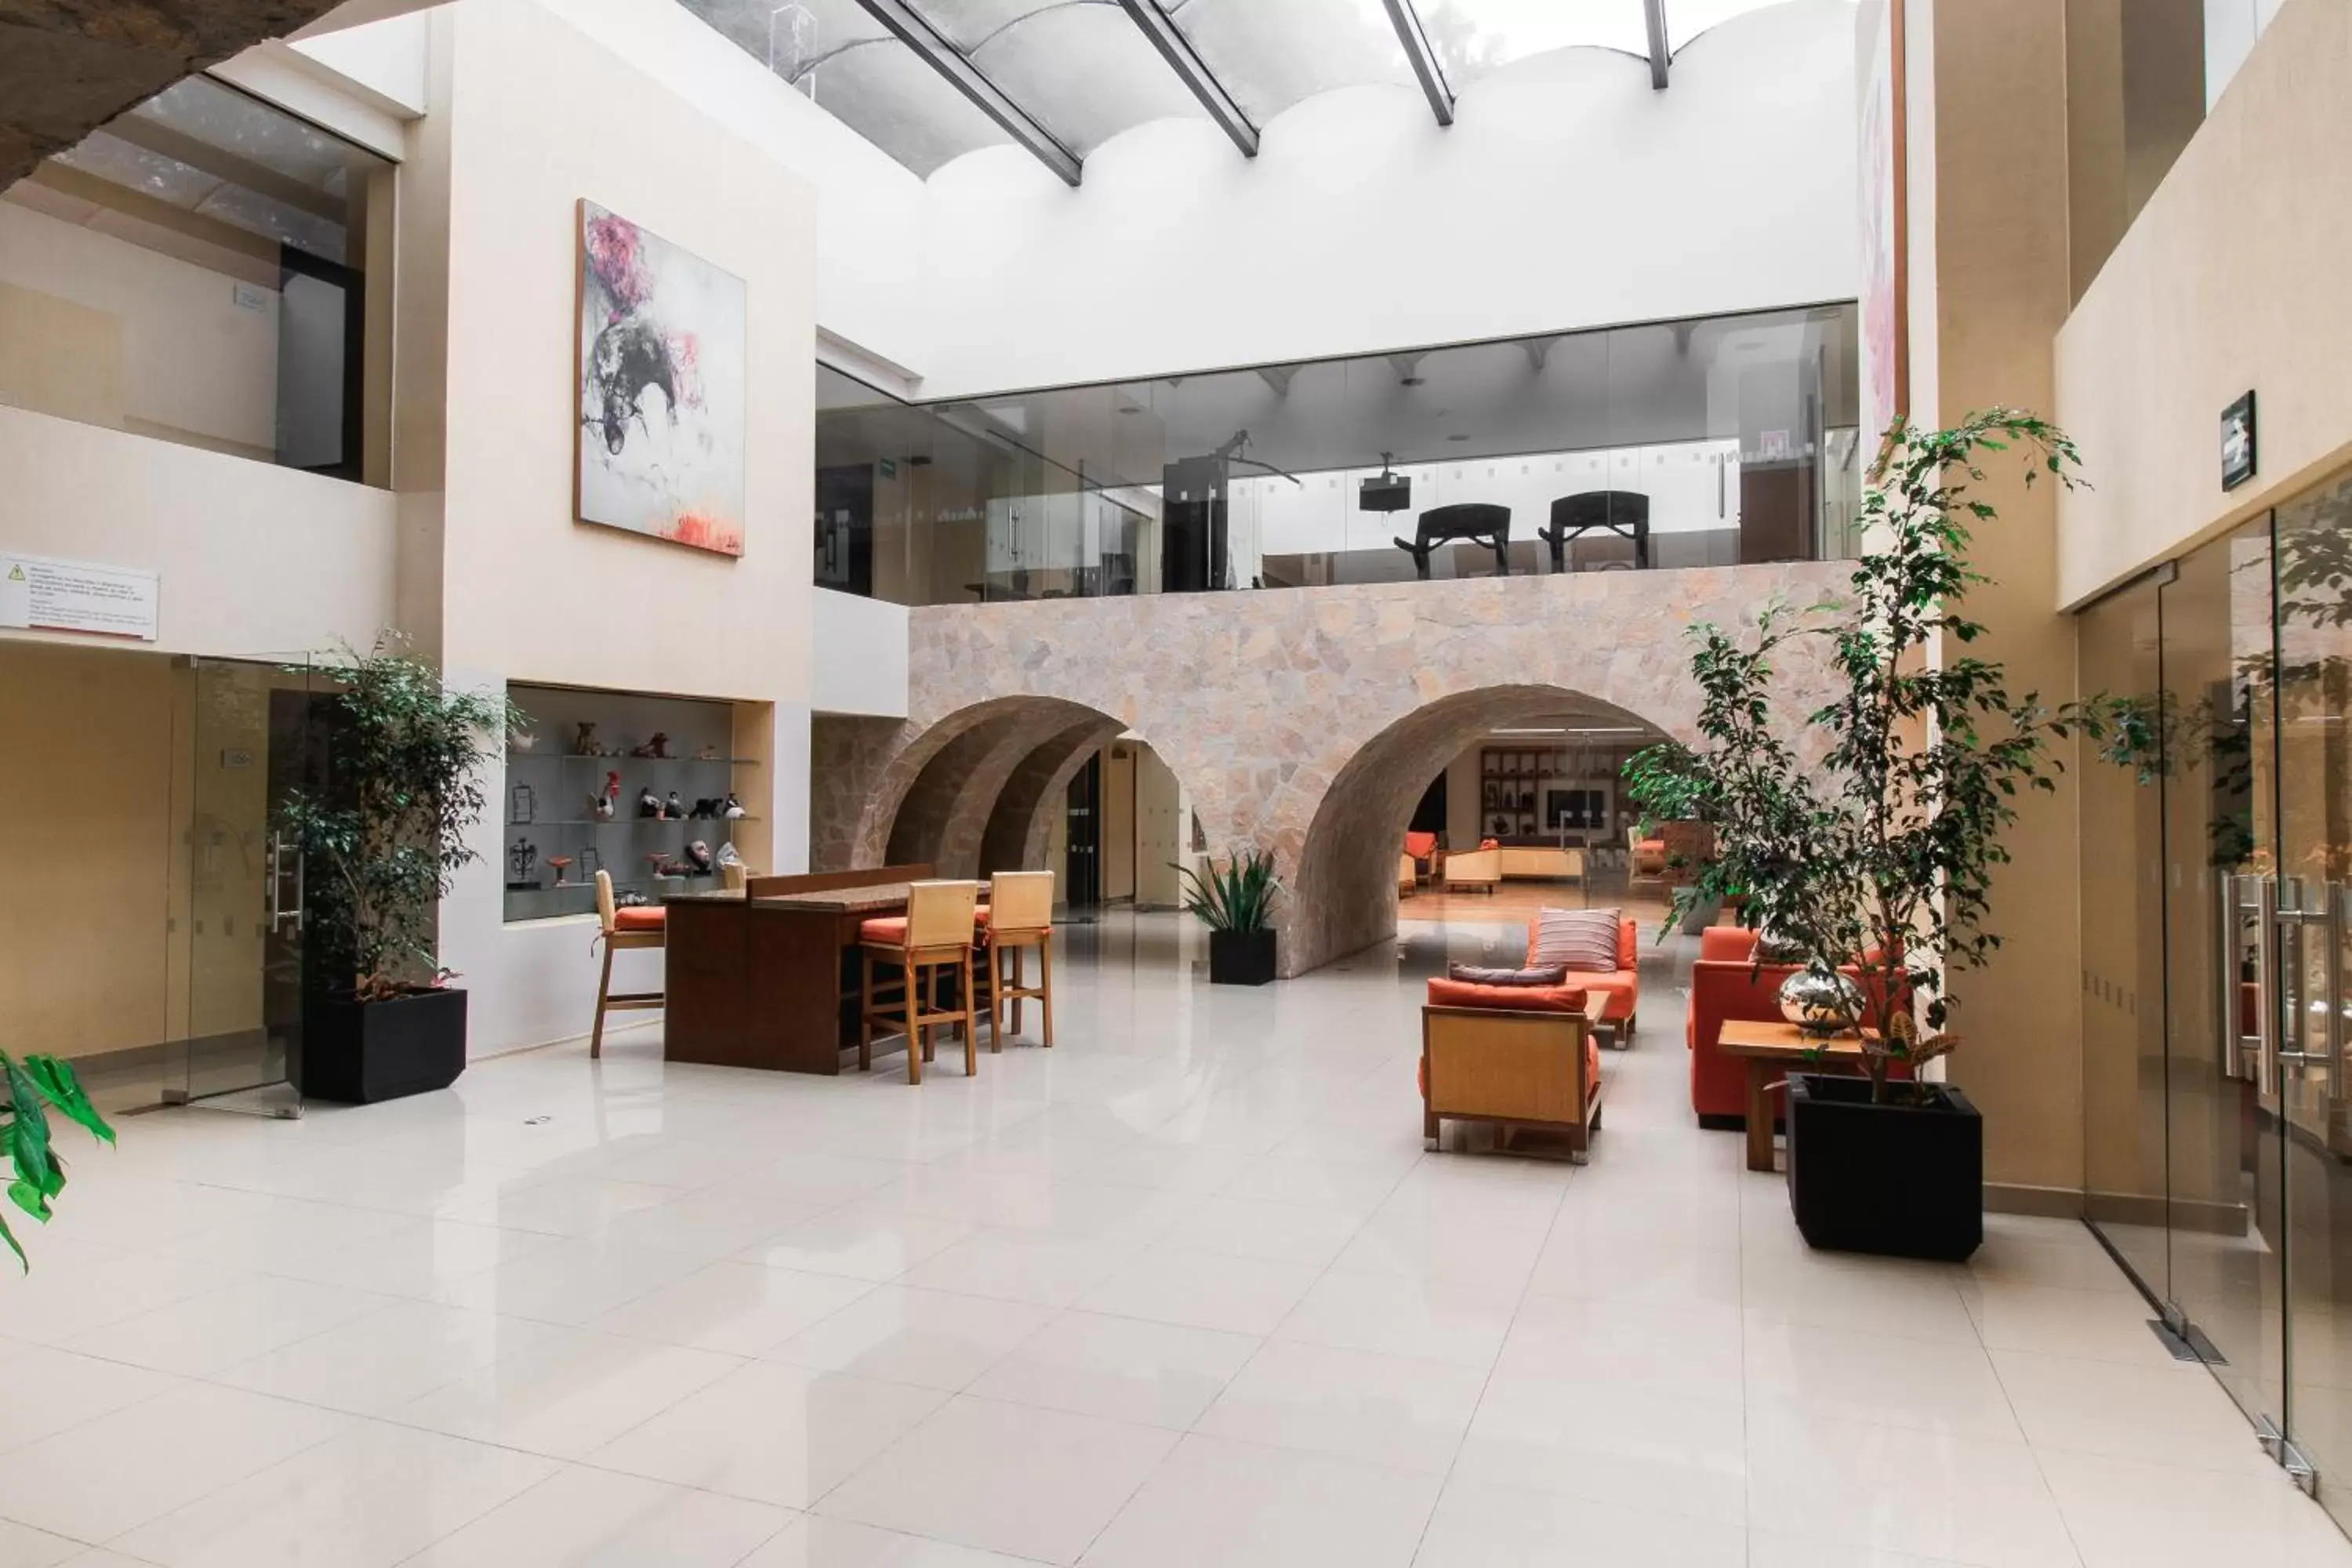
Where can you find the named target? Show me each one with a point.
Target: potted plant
(382, 838)
(1237, 906)
(35, 1086)
(1867, 852)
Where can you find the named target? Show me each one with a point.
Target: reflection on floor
(1185, 1290)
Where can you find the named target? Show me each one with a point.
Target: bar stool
(639, 927)
(935, 933)
(1020, 915)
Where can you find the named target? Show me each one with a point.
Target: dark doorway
(1083, 837)
(844, 529)
(1429, 817)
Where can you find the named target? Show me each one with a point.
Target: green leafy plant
(1874, 848)
(1665, 785)
(37, 1086)
(387, 831)
(1239, 897)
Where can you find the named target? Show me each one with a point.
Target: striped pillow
(1583, 940)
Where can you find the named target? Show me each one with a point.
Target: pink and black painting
(660, 388)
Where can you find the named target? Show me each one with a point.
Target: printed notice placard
(76, 596)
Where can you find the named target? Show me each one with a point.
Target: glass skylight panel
(1687, 19)
(136, 168)
(222, 117)
(1472, 37)
(1080, 68)
(1269, 56)
(839, 57)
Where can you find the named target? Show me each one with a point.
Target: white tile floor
(1184, 1291)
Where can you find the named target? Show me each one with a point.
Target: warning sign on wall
(38, 592)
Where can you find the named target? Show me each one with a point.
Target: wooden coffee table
(1770, 1051)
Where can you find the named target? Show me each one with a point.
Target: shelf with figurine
(642, 787)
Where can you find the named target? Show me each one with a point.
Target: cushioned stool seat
(891, 929)
(641, 917)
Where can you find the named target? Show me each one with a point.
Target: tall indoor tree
(1868, 838)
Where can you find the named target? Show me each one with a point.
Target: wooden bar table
(767, 978)
(1771, 1051)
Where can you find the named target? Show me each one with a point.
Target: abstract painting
(660, 389)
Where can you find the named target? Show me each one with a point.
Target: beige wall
(87, 838)
(533, 117)
(2231, 278)
(2001, 287)
(1162, 831)
(256, 560)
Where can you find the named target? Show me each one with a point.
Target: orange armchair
(1511, 1057)
(1620, 988)
(1726, 984)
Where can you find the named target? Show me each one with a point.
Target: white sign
(76, 596)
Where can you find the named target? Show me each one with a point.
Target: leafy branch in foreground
(37, 1086)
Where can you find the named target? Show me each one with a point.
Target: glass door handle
(284, 857)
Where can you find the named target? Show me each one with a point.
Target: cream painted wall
(89, 838)
(533, 124)
(2234, 255)
(197, 349)
(859, 658)
(256, 561)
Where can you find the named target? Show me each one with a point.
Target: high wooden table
(1770, 1051)
(768, 978)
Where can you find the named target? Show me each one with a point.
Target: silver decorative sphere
(1821, 1001)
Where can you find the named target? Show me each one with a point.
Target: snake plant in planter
(1236, 904)
(1871, 850)
(382, 837)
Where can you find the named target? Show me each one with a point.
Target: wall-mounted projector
(1385, 491)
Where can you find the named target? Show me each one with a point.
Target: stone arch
(1344, 888)
(1021, 823)
(976, 790)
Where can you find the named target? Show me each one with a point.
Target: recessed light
(1457, 438)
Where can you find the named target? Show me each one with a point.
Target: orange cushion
(641, 917)
(1445, 993)
(1419, 844)
(1724, 944)
(891, 929)
(1488, 844)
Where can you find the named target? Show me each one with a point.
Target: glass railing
(1715, 442)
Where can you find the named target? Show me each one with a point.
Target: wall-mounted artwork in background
(660, 387)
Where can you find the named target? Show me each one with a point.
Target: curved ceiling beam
(1426, 69)
(1193, 71)
(966, 79)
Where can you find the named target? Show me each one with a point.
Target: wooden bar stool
(644, 926)
(935, 933)
(1020, 915)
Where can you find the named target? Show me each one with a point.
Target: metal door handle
(281, 913)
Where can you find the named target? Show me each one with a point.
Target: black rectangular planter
(1902, 1181)
(361, 1052)
(1241, 957)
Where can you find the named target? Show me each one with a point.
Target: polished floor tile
(772, 1433)
(1014, 1479)
(583, 1518)
(1353, 1404)
(742, 1309)
(1241, 1505)
(932, 1339)
(365, 1499)
(1186, 1289)
(1130, 1369)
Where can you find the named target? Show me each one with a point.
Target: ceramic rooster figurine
(606, 805)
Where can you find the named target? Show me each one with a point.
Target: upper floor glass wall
(205, 270)
(1706, 442)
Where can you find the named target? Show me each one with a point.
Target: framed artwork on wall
(658, 388)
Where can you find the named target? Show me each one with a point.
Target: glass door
(2313, 679)
(255, 739)
(2225, 1191)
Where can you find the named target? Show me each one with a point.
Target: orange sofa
(1512, 1057)
(1726, 984)
(1621, 987)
